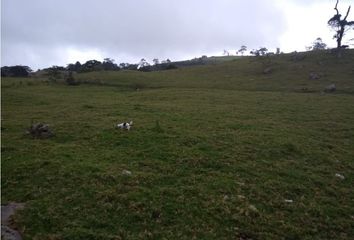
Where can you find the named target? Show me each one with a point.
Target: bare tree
(226, 53)
(340, 25)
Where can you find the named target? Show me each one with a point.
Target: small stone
(126, 172)
(253, 208)
(340, 176)
(330, 88)
(314, 76)
(241, 197)
(9, 210)
(225, 198)
(267, 70)
(9, 234)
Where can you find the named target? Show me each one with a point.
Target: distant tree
(254, 52)
(78, 66)
(226, 53)
(108, 60)
(278, 51)
(156, 61)
(262, 51)
(54, 72)
(166, 61)
(70, 67)
(143, 63)
(123, 65)
(91, 65)
(132, 67)
(74, 67)
(108, 64)
(242, 49)
(340, 26)
(15, 71)
(318, 44)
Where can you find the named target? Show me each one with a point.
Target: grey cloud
(37, 32)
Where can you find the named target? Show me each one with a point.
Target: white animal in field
(125, 125)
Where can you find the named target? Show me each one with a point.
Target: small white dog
(125, 125)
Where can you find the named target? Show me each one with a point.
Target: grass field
(216, 152)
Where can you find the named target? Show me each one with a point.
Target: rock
(225, 198)
(267, 70)
(340, 176)
(314, 76)
(9, 234)
(330, 88)
(253, 208)
(9, 210)
(126, 172)
(40, 130)
(241, 197)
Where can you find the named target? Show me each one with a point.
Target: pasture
(220, 151)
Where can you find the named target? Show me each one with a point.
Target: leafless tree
(341, 26)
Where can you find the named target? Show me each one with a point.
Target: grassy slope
(214, 153)
(244, 75)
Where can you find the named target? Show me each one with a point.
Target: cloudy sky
(42, 33)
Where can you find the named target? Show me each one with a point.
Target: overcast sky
(42, 33)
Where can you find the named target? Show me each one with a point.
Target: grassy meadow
(220, 151)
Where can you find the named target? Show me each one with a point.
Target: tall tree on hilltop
(340, 25)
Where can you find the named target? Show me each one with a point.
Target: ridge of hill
(287, 72)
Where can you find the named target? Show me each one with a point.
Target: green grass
(214, 153)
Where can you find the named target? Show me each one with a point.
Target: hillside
(219, 151)
(289, 73)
